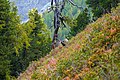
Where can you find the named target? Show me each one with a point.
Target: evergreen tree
(40, 44)
(11, 36)
(81, 21)
(5, 49)
(38, 36)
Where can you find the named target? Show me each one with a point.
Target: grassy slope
(92, 54)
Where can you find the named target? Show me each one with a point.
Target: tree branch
(71, 1)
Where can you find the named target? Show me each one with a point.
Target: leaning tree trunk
(57, 13)
(58, 18)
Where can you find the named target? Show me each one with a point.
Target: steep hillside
(94, 54)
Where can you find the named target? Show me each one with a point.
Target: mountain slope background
(25, 5)
(92, 54)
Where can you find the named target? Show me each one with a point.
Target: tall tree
(5, 49)
(11, 36)
(57, 8)
(40, 43)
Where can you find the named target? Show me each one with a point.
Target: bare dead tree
(58, 18)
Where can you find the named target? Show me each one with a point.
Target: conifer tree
(12, 36)
(38, 42)
(82, 20)
(40, 36)
(4, 47)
